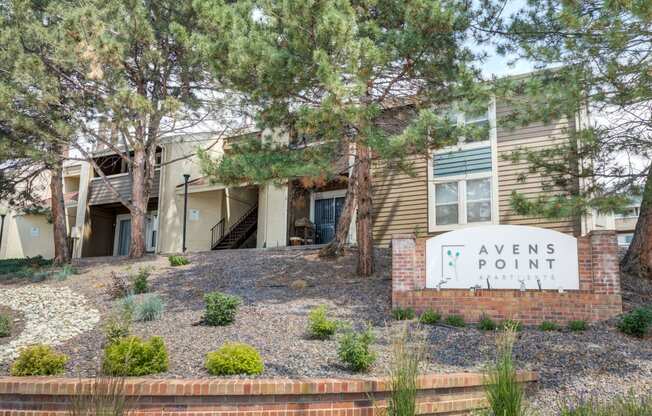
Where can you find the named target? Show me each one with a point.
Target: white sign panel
(502, 257)
(194, 215)
(35, 232)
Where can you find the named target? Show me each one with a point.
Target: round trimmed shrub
(131, 356)
(234, 358)
(39, 360)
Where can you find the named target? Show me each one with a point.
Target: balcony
(99, 193)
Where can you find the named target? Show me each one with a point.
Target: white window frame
(461, 179)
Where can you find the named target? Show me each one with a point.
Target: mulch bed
(278, 289)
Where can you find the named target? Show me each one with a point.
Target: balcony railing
(99, 192)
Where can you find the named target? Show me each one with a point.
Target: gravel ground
(278, 289)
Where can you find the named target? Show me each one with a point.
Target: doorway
(327, 208)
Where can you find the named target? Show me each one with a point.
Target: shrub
(5, 326)
(319, 326)
(455, 320)
(486, 323)
(132, 356)
(140, 282)
(504, 393)
(23, 267)
(577, 326)
(401, 314)
(636, 322)
(150, 308)
(406, 354)
(66, 271)
(354, 350)
(548, 326)
(619, 406)
(234, 358)
(120, 286)
(429, 317)
(38, 360)
(117, 326)
(513, 323)
(220, 308)
(178, 261)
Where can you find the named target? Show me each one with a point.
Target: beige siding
(400, 200)
(99, 192)
(532, 137)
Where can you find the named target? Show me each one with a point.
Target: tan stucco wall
(237, 202)
(18, 241)
(170, 209)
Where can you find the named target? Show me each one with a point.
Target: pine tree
(328, 69)
(130, 65)
(598, 58)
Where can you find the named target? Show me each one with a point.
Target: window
(625, 239)
(629, 212)
(464, 201)
(480, 125)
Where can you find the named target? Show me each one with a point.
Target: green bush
(39, 360)
(548, 326)
(486, 323)
(354, 350)
(503, 391)
(577, 325)
(150, 308)
(429, 317)
(636, 322)
(117, 327)
(234, 358)
(140, 282)
(24, 267)
(5, 326)
(401, 314)
(512, 323)
(132, 356)
(619, 406)
(455, 320)
(220, 308)
(319, 326)
(66, 271)
(178, 260)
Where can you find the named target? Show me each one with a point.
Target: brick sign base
(598, 299)
(450, 394)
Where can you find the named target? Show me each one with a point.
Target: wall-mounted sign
(35, 232)
(502, 257)
(194, 215)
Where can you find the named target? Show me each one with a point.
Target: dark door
(327, 213)
(124, 237)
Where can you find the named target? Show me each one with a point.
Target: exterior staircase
(236, 234)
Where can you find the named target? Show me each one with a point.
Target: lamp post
(186, 176)
(3, 214)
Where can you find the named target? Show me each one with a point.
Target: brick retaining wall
(449, 394)
(597, 299)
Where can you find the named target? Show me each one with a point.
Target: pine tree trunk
(638, 259)
(139, 199)
(336, 247)
(364, 221)
(57, 205)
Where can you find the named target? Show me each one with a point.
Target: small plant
(220, 308)
(117, 326)
(429, 317)
(620, 406)
(140, 282)
(456, 321)
(105, 396)
(512, 323)
(234, 358)
(39, 360)
(407, 352)
(548, 326)
(354, 350)
(178, 261)
(132, 356)
(120, 286)
(150, 308)
(577, 326)
(486, 323)
(5, 326)
(66, 271)
(504, 393)
(636, 322)
(401, 314)
(319, 326)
